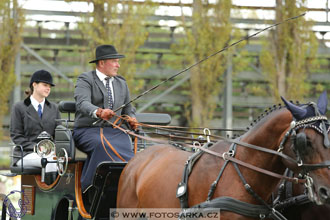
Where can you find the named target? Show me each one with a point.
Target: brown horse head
(310, 146)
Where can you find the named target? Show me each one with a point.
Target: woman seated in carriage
(31, 117)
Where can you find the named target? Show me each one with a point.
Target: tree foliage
(122, 25)
(209, 31)
(11, 22)
(289, 51)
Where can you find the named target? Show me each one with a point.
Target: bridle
(299, 141)
(299, 138)
(299, 145)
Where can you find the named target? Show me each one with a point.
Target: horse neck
(267, 133)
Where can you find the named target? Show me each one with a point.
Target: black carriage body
(56, 202)
(63, 199)
(49, 203)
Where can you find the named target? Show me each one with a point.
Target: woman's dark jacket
(26, 125)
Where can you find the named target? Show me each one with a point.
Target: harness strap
(282, 189)
(168, 127)
(171, 136)
(236, 142)
(172, 129)
(232, 149)
(310, 167)
(276, 214)
(252, 167)
(233, 205)
(182, 189)
(182, 192)
(225, 156)
(278, 153)
(287, 200)
(288, 185)
(296, 200)
(249, 188)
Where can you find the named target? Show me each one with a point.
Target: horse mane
(266, 112)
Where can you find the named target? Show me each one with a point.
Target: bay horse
(287, 137)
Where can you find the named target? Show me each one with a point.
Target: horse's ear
(322, 103)
(297, 112)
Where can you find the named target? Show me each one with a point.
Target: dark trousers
(88, 140)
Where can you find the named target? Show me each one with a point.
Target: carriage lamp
(45, 148)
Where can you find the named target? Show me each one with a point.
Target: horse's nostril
(324, 192)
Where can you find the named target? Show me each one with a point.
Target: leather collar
(27, 101)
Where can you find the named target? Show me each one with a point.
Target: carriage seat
(63, 134)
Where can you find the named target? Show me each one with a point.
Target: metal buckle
(309, 184)
(231, 153)
(224, 156)
(196, 143)
(207, 133)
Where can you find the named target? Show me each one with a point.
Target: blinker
(301, 141)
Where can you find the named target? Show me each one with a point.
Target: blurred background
(161, 38)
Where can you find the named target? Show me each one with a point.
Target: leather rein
(232, 204)
(225, 156)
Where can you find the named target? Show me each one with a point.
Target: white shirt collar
(35, 103)
(102, 76)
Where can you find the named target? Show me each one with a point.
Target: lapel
(100, 85)
(46, 113)
(116, 92)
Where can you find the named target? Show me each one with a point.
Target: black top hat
(104, 52)
(42, 76)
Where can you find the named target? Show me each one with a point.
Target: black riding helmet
(42, 76)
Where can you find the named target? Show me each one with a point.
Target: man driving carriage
(98, 94)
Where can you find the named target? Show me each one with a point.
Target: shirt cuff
(94, 114)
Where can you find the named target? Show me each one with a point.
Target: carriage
(241, 175)
(60, 197)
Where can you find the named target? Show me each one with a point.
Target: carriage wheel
(62, 162)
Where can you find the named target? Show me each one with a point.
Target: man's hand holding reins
(105, 114)
(132, 122)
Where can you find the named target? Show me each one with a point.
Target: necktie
(107, 86)
(39, 111)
